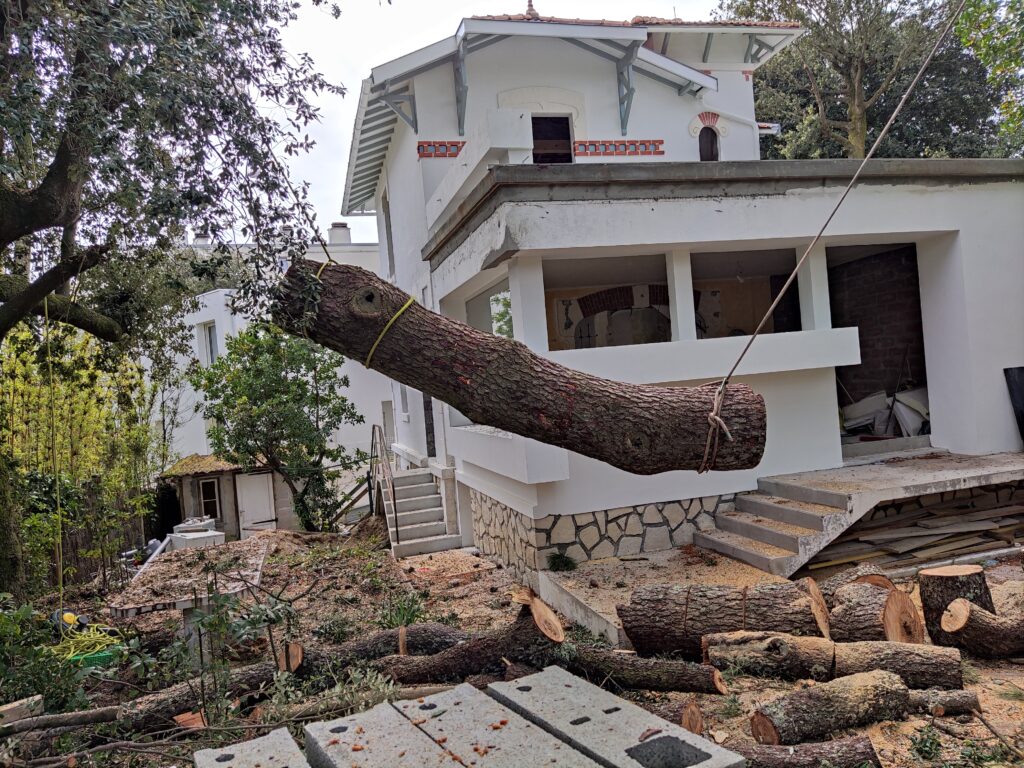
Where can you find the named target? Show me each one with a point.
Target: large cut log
(919, 665)
(862, 574)
(771, 654)
(941, 586)
(866, 612)
(981, 632)
(672, 618)
(944, 703)
(817, 711)
(854, 752)
(642, 429)
(629, 671)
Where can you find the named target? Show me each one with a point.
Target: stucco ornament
(708, 120)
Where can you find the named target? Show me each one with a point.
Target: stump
(919, 665)
(862, 574)
(815, 712)
(854, 752)
(692, 719)
(771, 654)
(866, 612)
(640, 428)
(672, 618)
(941, 586)
(981, 632)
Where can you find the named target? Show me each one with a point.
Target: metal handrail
(380, 465)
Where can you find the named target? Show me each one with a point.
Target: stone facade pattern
(524, 544)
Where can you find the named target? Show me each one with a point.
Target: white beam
(812, 281)
(680, 296)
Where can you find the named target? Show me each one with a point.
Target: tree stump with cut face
(941, 586)
(862, 574)
(492, 380)
(865, 612)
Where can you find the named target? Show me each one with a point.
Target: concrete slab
(472, 725)
(275, 750)
(611, 731)
(377, 738)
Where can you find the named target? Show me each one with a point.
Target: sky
(372, 32)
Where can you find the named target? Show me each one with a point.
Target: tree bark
(492, 380)
(771, 654)
(673, 618)
(862, 574)
(942, 703)
(941, 586)
(919, 665)
(631, 671)
(854, 752)
(815, 712)
(865, 612)
(981, 632)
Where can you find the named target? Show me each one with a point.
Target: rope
(387, 328)
(715, 422)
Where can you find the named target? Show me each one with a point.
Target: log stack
(866, 611)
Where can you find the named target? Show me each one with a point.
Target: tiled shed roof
(199, 464)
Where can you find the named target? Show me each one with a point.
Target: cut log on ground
(981, 632)
(630, 671)
(944, 703)
(642, 429)
(691, 718)
(941, 586)
(672, 618)
(815, 712)
(862, 574)
(919, 665)
(771, 654)
(866, 612)
(854, 752)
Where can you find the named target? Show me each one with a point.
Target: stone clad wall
(524, 544)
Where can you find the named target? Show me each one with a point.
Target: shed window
(552, 140)
(209, 497)
(708, 141)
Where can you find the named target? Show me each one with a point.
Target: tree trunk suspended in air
(495, 381)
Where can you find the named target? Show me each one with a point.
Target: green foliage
(731, 707)
(27, 667)
(970, 673)
(401, 610)
(972, 754)
(994, 29)
(275, 401)
(336, 629)
(926, 744)
(559, 561)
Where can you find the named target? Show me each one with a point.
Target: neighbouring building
(595, 190)
(242, 502)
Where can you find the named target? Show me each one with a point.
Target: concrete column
(812, 280)
(680, 296)
(529, 317)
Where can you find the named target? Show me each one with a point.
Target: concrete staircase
(781, 526)
(421, 520)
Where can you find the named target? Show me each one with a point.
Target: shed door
(255, 504)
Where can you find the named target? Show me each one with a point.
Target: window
(385, 206)
(209, 498)
(708, 141)
(403, 392)
(552, 140)
(491, 310)
(208, 341)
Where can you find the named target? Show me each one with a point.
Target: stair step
(756, 553)
(413, 477)
(417, 502)
(774, 532)
(800, 513)
(418, 530)
(427, 515)
(412, 547)
(411, 491)
(796, 492)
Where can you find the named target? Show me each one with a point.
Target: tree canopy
(994, 29)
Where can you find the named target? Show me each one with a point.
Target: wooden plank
(984, 514)
(924, 554)
(912, 543)
(844, 560)
(19, 710)
(901, 533)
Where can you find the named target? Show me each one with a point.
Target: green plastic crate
(96, 659)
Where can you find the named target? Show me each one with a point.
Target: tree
(834, 90)
(275, 401)
(994, 29)
(124, 125)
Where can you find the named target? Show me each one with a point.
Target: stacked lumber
(915, 536)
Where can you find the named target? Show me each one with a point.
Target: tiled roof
(199, 464)
(642, 21)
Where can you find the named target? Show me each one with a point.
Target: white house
(602, 180)
(244, 503)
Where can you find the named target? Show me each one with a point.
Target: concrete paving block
(476, 728)
(377, 738)
(275, 750)
(611, 731)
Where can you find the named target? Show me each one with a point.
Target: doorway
(552, 140)
(255, 504)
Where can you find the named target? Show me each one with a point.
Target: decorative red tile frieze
(620, 147)
(439, 148)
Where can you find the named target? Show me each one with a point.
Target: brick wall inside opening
(880, 295)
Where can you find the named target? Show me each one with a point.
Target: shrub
(400, 611)
(559, 561)
(28, 667)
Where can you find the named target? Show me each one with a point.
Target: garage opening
(875, 288)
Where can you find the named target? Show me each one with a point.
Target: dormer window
(707, 139)
(552, 140)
